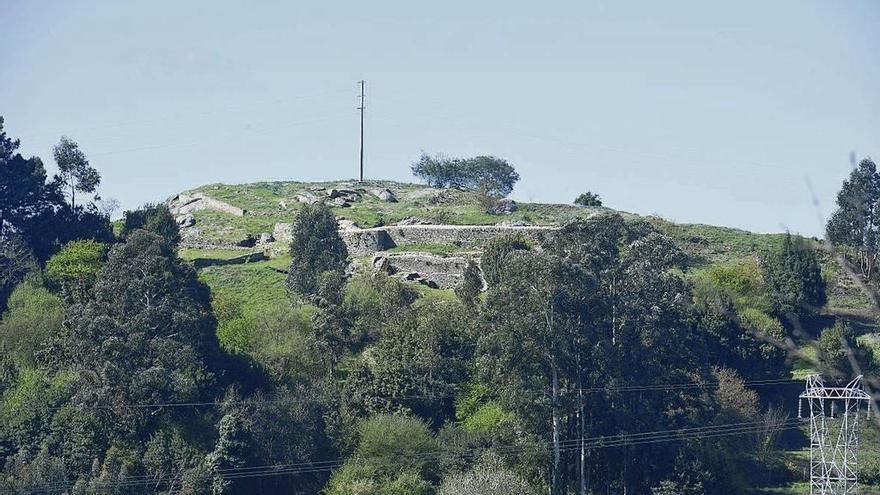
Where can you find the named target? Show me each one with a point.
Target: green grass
(189, 254)
(256, 286)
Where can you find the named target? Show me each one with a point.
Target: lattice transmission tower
(834, 434)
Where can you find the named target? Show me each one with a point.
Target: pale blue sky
(712, 112)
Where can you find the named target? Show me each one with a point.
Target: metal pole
(361, 108)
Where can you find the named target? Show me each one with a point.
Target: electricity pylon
(834, 462)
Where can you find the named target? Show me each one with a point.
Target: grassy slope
(258, 287)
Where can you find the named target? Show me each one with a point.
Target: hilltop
(223, 224)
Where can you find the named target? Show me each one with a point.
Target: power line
(622, 440)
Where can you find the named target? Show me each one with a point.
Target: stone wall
(364, 242)
(442, 272)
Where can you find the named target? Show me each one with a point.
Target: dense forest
(601, 360)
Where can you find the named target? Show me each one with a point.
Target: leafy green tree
(16, 261)
(487, 479)
(155, 218)
(393, 456)
(230, 452)
(315, 248)
(492, 259)
(75, 268)
(417, 363)
(855, 223)
(794, 278)
(74, 172)
(588, 199)
(35, 315)
(494, 176)
(145, 335)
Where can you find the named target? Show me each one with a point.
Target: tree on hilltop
(488, 174)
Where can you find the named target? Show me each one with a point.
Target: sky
(742, 114)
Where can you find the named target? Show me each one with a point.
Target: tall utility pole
(834, 442)
(361, 108)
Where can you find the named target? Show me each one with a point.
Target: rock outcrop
(185, 203)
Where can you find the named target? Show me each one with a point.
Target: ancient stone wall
(442, 272)
(364, 242)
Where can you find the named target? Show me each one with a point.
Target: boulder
(340, 202)
(265, 238)
(386, 195)
(306, 198)
(184, 221)
(333, 193)
(282, 204)
(504, 206)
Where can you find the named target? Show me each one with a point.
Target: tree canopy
(489, 174)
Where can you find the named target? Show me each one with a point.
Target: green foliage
(390, 444)
(145, 335)
(588, 199)
(743, 282)
(155, 218)
(16, 261)
(34, 316)
(22, 184)
(230, 452)
(315, 248)
(75, 268)
(837, 345)
(855, 223)
(492, 175)
(471, 285)
(74, 170)
(492, 260)
(794, 278)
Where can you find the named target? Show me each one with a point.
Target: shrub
(75, 267)
(588, 199)
(471, 285)
(34, 315)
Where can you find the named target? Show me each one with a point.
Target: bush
(490, 174)
(34, 316)
(16, 261)
(588, 199)
(75, 267)
(836, 344)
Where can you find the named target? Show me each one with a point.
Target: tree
(392, 450)
(491, 175)
(315, 248)
(34, 316)
(75, 268)
(471, 284)
(22, 184)
(491, 478)
(230, 452)
(838, 345)
(145, 335)
(855, 223)
(74, 171)
(16, 261)
(155, 218)
(794, 278)
(492, 259)
(588, 199)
